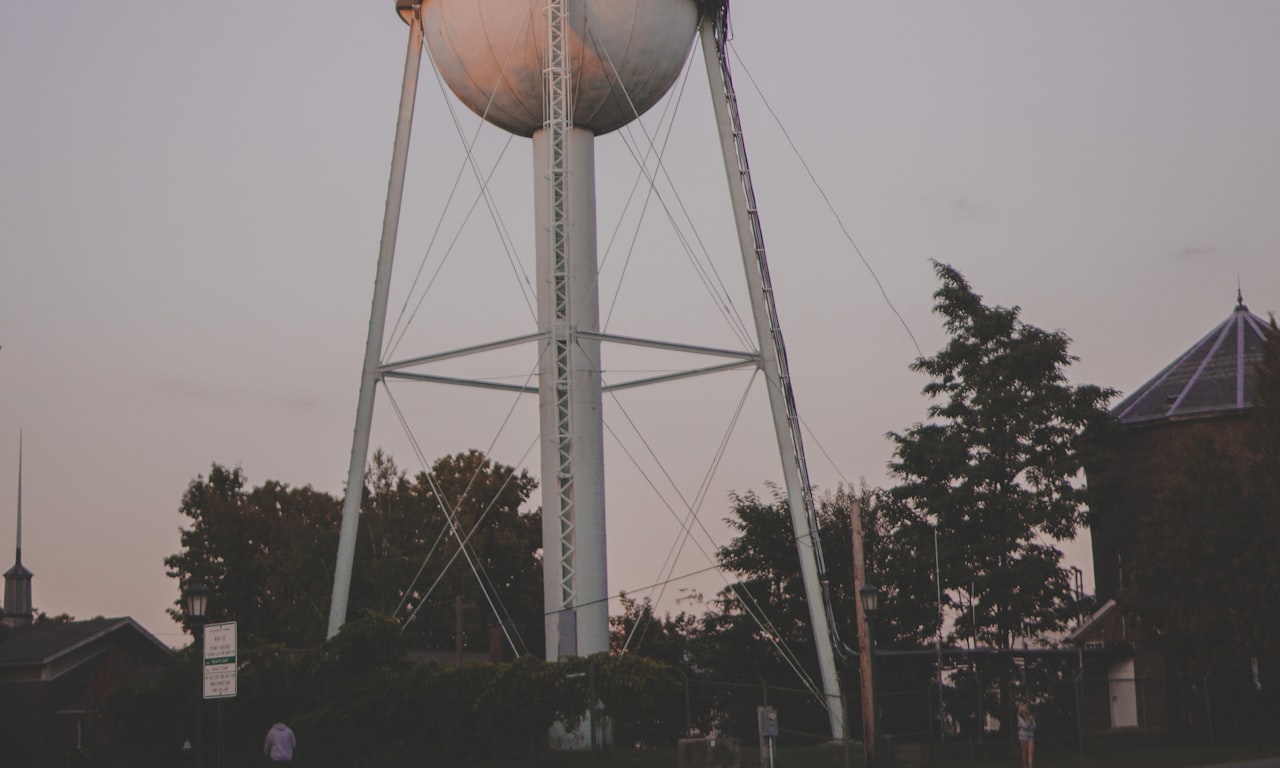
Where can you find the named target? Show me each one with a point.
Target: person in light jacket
(279, 744)
(1026, 734)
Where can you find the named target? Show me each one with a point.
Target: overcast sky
(191, 198)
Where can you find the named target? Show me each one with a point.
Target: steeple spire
(17, 580)
(19, 539)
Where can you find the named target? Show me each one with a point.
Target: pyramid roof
(1216, 376)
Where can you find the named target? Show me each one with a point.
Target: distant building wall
(1139, 462)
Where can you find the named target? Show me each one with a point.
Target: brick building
(1205, 396)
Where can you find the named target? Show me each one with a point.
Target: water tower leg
(377, 321)
(773, 362)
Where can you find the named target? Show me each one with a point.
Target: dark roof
(42, 643)
(1216, 376)
(18, 571)
(1077, 635)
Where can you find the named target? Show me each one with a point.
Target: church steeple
(17, 580)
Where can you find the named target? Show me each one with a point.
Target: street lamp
(870, 597)
(196, 600)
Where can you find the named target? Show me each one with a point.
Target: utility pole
(864, 638)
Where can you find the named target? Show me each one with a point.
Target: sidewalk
(1264, 762)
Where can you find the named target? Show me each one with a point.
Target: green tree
(639, 631)
(267, 554)
(466, 498)
(757, 630)
(995, 469)
(767, 599)
(61, 618)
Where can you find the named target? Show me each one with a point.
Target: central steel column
(569, 400)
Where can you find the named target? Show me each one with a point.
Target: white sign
(220, 660)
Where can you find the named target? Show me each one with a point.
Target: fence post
(1079, 686)
(982, 721)
(929, 705)
(1139, 683)
(1208, 709)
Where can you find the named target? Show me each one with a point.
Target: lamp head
(869, 594)
(196, 599)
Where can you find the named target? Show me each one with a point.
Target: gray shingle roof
(1216, 376)
(42, 643)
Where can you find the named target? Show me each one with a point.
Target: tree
(267, 554)
(61, 618)
(758, 628)
(768, 598)
(995, 470)
(465, 498)
(639, 631)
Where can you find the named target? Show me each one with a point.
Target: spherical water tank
(624, 56)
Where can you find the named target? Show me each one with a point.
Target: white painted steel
(624, 55)
(575, 584)
(377, 323)
(563, 71)
(773, 361)
(553, 293)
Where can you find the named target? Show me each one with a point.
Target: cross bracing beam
(532, 390)
(399, 368)
(668, 345)
(461, 382)
(460, 352)
(675, 376)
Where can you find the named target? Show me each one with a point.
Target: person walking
(1026, 734)
(279, 744)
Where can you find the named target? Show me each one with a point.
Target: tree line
(268, 552)
(988, 486)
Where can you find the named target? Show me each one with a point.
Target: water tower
(563, 72)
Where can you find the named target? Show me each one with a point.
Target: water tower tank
(625, 54)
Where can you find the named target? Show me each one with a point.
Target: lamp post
(869, 595)
(196, 601)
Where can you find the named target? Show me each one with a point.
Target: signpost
(220, 660)
(767, 722)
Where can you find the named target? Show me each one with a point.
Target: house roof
(1215, 376)
(1079, 635)
(43, 643)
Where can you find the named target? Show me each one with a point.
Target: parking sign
(220, 660)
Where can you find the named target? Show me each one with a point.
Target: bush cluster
(359, 700)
